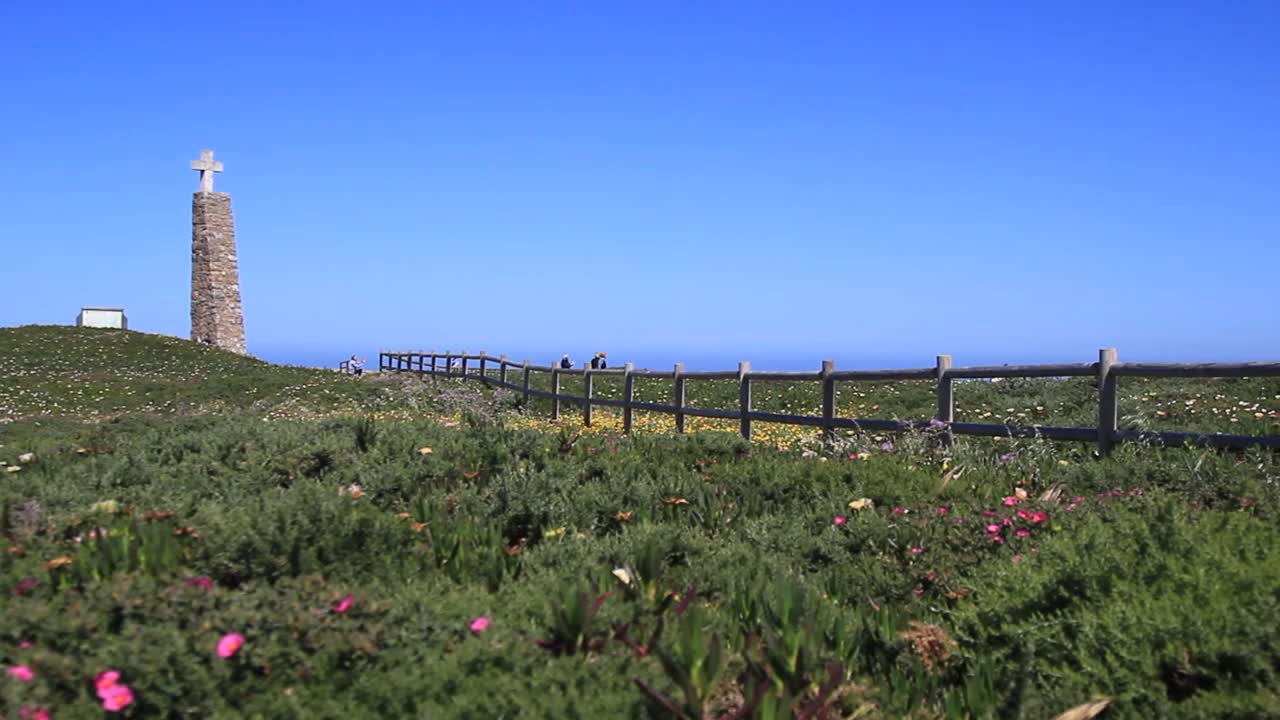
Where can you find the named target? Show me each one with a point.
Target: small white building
(102, 318)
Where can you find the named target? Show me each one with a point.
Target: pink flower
(1022, 532)
(917, 550)
(1016, 559)
(1072, 506)
(24, 644)
(1024, 514)
(899, 510)
(839, 520)
(1039, 517)
(853, 456)
(22, 673)
(1136, 491)
(480, 624)
(116, 698)
(344, 604)
(24, 586)
(1077, 500)
(943, 510)
(105, 679)
(997, 539)
(26, 712)
(1011, 500)
(201, 582)
(229, 644)
(993, 528)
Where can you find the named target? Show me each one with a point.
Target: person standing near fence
(565, 362)
(598, 362)
(355, 365)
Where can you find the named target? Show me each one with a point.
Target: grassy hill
(95, 373)
(236, 539)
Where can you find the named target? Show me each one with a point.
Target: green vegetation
(394, 547)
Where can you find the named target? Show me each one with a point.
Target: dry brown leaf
(1085, 711)
(952, 474)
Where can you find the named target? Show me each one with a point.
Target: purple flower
(1008, 457)
(936, 424)
(25, 586)
(201, 582)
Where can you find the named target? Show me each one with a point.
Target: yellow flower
(106, 506)
(425, 451)
(58, 562)
(862, 504)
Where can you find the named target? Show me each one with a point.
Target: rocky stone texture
(216, 316)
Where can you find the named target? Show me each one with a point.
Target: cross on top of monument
(207, 168)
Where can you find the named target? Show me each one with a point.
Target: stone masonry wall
(216, 316)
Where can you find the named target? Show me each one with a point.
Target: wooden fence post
(628, 394)
(528, 368)
(586, 393)
(463, 357)
(433, 362)
(1108, 412)
(555, 391)
(678, 396)
(744, 398)
(448, 363)
(484, 358)
(828, 401)
(502, 369)
(946, 399)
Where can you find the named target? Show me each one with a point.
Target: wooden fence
(1106, 371)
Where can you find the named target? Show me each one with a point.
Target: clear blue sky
(665, 180)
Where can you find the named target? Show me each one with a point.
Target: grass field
(189, 533)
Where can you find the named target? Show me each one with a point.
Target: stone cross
(207, 168)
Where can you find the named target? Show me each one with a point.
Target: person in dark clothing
(565, 362)
(598, 362)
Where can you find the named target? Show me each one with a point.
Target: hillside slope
(89, 372)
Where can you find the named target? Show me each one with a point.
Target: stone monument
(216, 316)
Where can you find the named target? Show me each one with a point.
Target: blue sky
(1004, 182)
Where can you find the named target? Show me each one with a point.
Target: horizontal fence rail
(515, 376)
